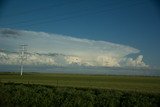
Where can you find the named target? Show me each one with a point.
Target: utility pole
(23, 56)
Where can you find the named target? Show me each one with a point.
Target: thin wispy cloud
(70, 50)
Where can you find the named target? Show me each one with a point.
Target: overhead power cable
(41, 8)
(96, 12)
(74, 14)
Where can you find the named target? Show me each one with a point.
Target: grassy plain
(134, 83)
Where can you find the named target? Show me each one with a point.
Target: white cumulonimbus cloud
(43, 46)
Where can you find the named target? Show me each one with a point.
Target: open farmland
(134, 83)
(75, 90)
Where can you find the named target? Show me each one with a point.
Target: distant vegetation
(14, 94)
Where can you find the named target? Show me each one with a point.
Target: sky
(134, 23)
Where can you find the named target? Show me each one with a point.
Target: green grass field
(135, 83)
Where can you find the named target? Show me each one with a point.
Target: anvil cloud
(70, 50)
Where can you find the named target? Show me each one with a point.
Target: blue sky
(134, 23)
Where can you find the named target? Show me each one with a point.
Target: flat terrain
(137, 83)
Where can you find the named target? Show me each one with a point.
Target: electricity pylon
(23, 56)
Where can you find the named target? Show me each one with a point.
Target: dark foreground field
(66, 90)
(22, 95)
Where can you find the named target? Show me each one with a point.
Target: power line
(75, 15)
(41, 8)
(86, 13)
(70, 13)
